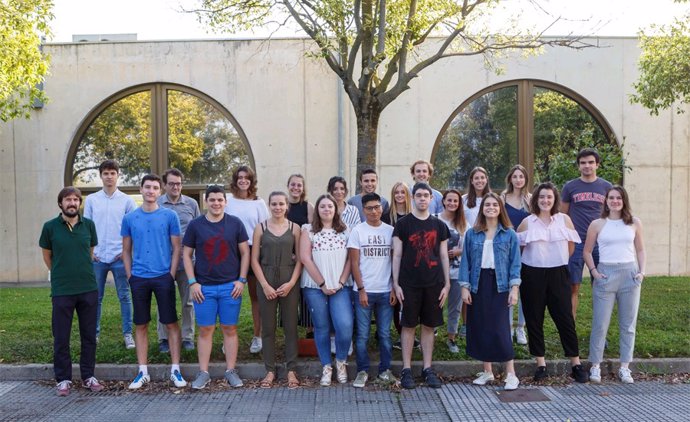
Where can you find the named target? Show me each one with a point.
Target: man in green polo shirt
(67, 242)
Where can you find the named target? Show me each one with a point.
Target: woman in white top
(337, 187)
(326, 285)
(617, 279)
(477, 187)
(549, 238)
(251, 210)
(454, 217)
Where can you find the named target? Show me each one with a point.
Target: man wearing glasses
(186, 209)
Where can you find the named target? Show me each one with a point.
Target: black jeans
(86, 305)
(543, 288)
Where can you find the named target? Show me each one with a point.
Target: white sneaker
(512, 382)
(483, 378)
(326, 375)
(176, 378)
(625, 376)
(521, 336)
(129, 341)
(256, 345)
(341, 371)
(595, 374)
(361, 379)
(139, 381)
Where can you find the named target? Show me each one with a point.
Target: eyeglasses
(175, 184)
(373, 208)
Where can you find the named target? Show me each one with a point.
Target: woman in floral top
(326, 285)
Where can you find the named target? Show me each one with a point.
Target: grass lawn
(663, 328)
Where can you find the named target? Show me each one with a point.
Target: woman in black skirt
(489, 279)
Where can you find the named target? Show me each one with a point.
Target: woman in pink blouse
(549, 238)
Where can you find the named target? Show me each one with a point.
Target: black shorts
(421, 306)
(142, 290)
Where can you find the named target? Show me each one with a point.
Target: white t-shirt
(375, 246)
(250, 212)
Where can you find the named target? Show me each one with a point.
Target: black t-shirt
(421, 259)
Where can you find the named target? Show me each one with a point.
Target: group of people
(337, 265)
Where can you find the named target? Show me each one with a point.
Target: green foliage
(202, 143)
(562, 128)
(22, 65)
(25, 337)
(483, 134)
(664, 66)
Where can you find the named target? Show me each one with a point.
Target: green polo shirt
(71, 272)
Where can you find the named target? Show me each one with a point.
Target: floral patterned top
(329, 252)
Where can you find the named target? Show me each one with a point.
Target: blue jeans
(121, 286)
(326, 310)
(379, 303)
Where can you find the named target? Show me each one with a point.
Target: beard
(70, 212)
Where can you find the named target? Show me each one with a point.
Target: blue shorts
(576, 263)
(218, 303)
(164, 289)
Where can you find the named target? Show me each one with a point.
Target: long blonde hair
(393, 212)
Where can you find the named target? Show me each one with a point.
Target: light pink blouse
(546, 246)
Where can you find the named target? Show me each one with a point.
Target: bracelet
(360, 289)
(321, 285)
(191, 281)
(242, 280)
(591, 270)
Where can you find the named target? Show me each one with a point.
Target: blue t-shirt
(586, 202)
(151, 246)
(216, 247)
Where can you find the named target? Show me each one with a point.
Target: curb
(459, 369)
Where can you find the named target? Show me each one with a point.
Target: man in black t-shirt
(421, 280)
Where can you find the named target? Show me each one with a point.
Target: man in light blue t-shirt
(151, 252)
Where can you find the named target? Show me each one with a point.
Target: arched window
(149, 128)
(538, 124)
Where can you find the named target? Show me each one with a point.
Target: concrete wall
(287, 106)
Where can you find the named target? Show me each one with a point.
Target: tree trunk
(367, 137)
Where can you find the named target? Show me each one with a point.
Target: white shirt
(250, 212)
(616, 242)
(374, 245)
(107, 213)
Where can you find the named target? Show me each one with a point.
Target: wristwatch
(242, 280)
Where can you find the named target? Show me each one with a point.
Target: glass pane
(483, 134)
(121, 132)
(202, 143)
(561, 128)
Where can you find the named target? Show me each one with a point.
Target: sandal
(267, 382)
(293, 381)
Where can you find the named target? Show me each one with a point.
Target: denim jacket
(506, 259)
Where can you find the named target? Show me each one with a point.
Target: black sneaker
(397, 345)
(540, 373)
(163, 346)
(309, 334)
(432, 380)
(580, 374)
(406, 379)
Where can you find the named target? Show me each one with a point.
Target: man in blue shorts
(150, 252)
(216, 280)
(582, 199)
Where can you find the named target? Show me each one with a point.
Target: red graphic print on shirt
(423, 242)
(216, 250)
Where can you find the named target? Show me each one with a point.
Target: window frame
(159, 132)
(525, 116)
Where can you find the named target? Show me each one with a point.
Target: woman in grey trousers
(617, 279)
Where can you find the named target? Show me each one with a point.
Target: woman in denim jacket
(489, 278)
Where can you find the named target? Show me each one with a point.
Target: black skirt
(488, 328)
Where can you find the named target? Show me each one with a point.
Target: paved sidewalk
(643, 401)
